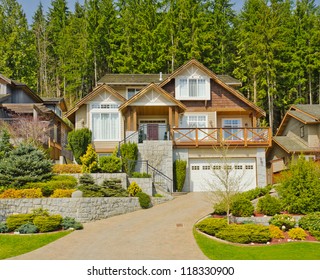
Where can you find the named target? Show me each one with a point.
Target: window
(231, 129)
(132, 92)
(3, 89)
(105, 122)
(195, 167)
(206, 167)
(216, 167)
(302, 131)
(193, 88)
(238, 167)
(249, 167)
(194, 121)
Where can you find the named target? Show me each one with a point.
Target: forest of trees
(273, 47)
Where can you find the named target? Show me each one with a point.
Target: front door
(152, 131)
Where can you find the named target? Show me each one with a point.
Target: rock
(77, 194)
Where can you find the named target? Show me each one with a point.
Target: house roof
(293, 145)
(217, 80)
(26, 108)
(91, 95)
(145, 79)
(306, 114)
(56, 101)
(157, 89)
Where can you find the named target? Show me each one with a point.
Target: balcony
(202, 137)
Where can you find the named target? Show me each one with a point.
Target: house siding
(82, 117)
(293, 130)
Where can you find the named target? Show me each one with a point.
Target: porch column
(170, 117)
(254, 120)
(176, 117)
(129, 120)
(134, 125)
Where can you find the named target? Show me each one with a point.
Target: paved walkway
(163, 232)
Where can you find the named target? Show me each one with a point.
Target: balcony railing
(216, 136)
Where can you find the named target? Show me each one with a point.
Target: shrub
(256, 193)
(300, 192)
(36, 166)
(110, 164)
(27, 228)
(3, 228)
(276, 232)
(179, 173)
(5, 145)
(283, 221)
(78, 141)
(86, 179)
(242, 207)
(129, 155)
(48, 223)
(211, 225)
(90, 160)
(58, 193)
(297, 234)
(158, 195)
(220, 208)
(68, 222)
(66, 168)
(12, 193)
(134, 189)
(140, 175)
(315, 234)
(310, 222)
(56, 182)
(16, 220)
(144, 200)
(245, 233)
(269, 205)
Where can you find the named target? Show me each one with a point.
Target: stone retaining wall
(100, 177)
(144, 183)
(82, 209)
(257, 220)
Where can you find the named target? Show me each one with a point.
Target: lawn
(216, 250)
(14, 245)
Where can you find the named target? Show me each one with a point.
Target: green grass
(14, 245)
(216, 250)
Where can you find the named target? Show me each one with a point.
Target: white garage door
(205, 173)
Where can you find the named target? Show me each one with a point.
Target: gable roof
(158, 89)
(293, 145)
(216, 79)
(56, 101)
(99, 89)
(304, 113)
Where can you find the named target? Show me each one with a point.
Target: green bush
(269, 205)
(24, 164)
(242, 207)
(110, 164)
(3, 228)
(144, 200)
(63, 182)
(27, 228)
(48, 223)
(245, 234)
(5, 145)
(129, 155)
(133, 189)
(220, 208)
(310, 221)
(68, 222)
(276, 232)
(140, 175)
(86, 179)
(16, 220)
(90, 161)
(211, 225)
(283, 221)
(300, 190)
(78, 141)
(297, 234)
(256, 193)
(179, 173)
(113, 188)
(315, 234)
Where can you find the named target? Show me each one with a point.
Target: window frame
(185, 81)
(132, 88)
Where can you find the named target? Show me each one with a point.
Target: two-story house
(186, 115)
(20, 107)
(298, 134)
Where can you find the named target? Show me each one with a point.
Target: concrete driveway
(163, 232)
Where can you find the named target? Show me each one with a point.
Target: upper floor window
(3, 89)
(193, 88)
(132, 92)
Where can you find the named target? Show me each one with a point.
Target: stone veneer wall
(100, 177)
(82, 209)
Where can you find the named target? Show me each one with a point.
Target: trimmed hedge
(144, 200)
(66, 169)
(24, 193)
(310, 222)
(245, 234)
(48, 223)
(16, 220)
(110, 164)
(242, 207)
(211, 225)
(179, 173)
(58, 193)
(269, 205)
(297, 234)
(276, 232)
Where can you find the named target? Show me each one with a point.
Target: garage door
(207, 174)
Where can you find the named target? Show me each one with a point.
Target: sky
(30, 6)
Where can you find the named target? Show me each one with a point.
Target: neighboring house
(297, 134)
(178, 116)
(22, 109)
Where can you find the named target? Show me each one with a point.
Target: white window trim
(105, 111)
(137, 89)
(207, 95)
(233, 119)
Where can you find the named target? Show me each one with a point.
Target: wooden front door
(153, 131)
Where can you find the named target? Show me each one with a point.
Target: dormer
(192, 84)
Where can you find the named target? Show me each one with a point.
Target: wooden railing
(216, 136)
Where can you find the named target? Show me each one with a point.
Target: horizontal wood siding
(81, 117)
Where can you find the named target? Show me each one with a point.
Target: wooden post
(129, 120)
(134, 119)
(176, 117)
